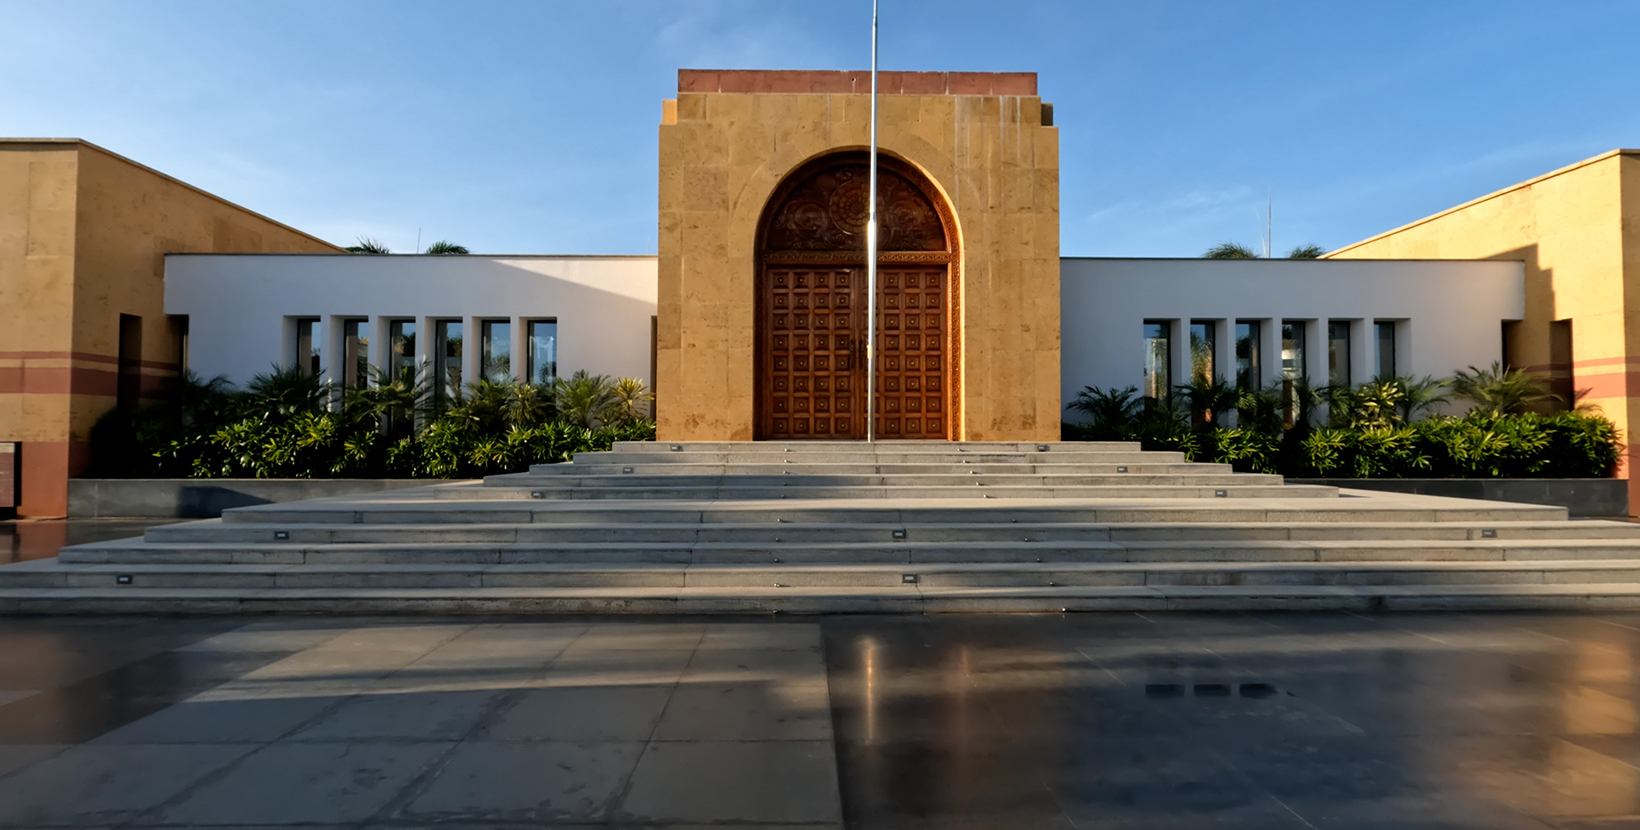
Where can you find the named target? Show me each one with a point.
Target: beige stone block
(793, 111)
(702, 188)
(669, 325)
(1045, 148)
(1030, 111)
(898, 111)
(691, 106)
(697, 143)
(936, 112)
(750, 145)
(669, 111)
(854, 109)
(1046, 198)
(730, 108)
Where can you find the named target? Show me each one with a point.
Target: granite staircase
(852, 527)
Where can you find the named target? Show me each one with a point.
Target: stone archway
(809, 355)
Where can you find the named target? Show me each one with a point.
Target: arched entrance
(811, 304)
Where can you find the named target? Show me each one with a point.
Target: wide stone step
(403, 509)
(877, 446)
(976, 490)
(899, 599)
(927, 576)
(219, 532)
(800, 479)
(885, 552)
(603, 468)
(951, 458)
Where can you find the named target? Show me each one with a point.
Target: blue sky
(530, 127)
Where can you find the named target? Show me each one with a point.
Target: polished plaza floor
(1081, 721)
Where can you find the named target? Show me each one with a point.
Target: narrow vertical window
(179, 335)
(1292, 368)
(1203, 341)
(543, 356)
(402, 355)
(355, 354)
(447, 360)
(1292, 349)
(496, 358)
(1562, 379)
(1247, 351)
(306, 359)
(1338, 353)
(1384, 332)
(130, 379)
(1158, 359)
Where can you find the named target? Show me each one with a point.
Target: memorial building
(750, 319)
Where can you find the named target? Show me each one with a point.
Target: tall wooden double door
(811, 359)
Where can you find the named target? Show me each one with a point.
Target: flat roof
(856, 82)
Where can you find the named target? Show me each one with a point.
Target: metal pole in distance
(871, 250)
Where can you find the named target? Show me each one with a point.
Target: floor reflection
(1084, 721)
(1268, 721)
(23, 540)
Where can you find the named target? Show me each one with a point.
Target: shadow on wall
(208, 502)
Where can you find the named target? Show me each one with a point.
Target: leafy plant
(1247, 450)
(1110, 412)
(393, 404)
(633, 401)
(284, 392)
(1311, 251)
(446, 247)
(584, 398)
(368, 245)
(1164, 425)
(1260, 409)
(1230, 250)
(1497, 390)
(1207, 399)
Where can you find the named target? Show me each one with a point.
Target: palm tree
(1311, 251)
(446, 247)
(368, 245)
(1109, 411)
(284, 392)
(483, 405)
(1419, 396)
(1497, 390)
(529, 405)
(1207, 398)
(584, 399)
(191, 402)
(394, 403)
(1230, 250)
(1261, 410)
(632, 400)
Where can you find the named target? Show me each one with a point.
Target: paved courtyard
(1085, 721)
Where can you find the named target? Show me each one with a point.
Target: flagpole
(871, 250)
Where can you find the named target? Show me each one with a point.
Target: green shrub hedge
(285, 426)
(1479, 445)
(1371, 431)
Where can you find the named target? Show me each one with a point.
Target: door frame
(951, 258)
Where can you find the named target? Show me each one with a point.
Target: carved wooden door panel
(911, 389)
(813, 322)
(811, 304)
